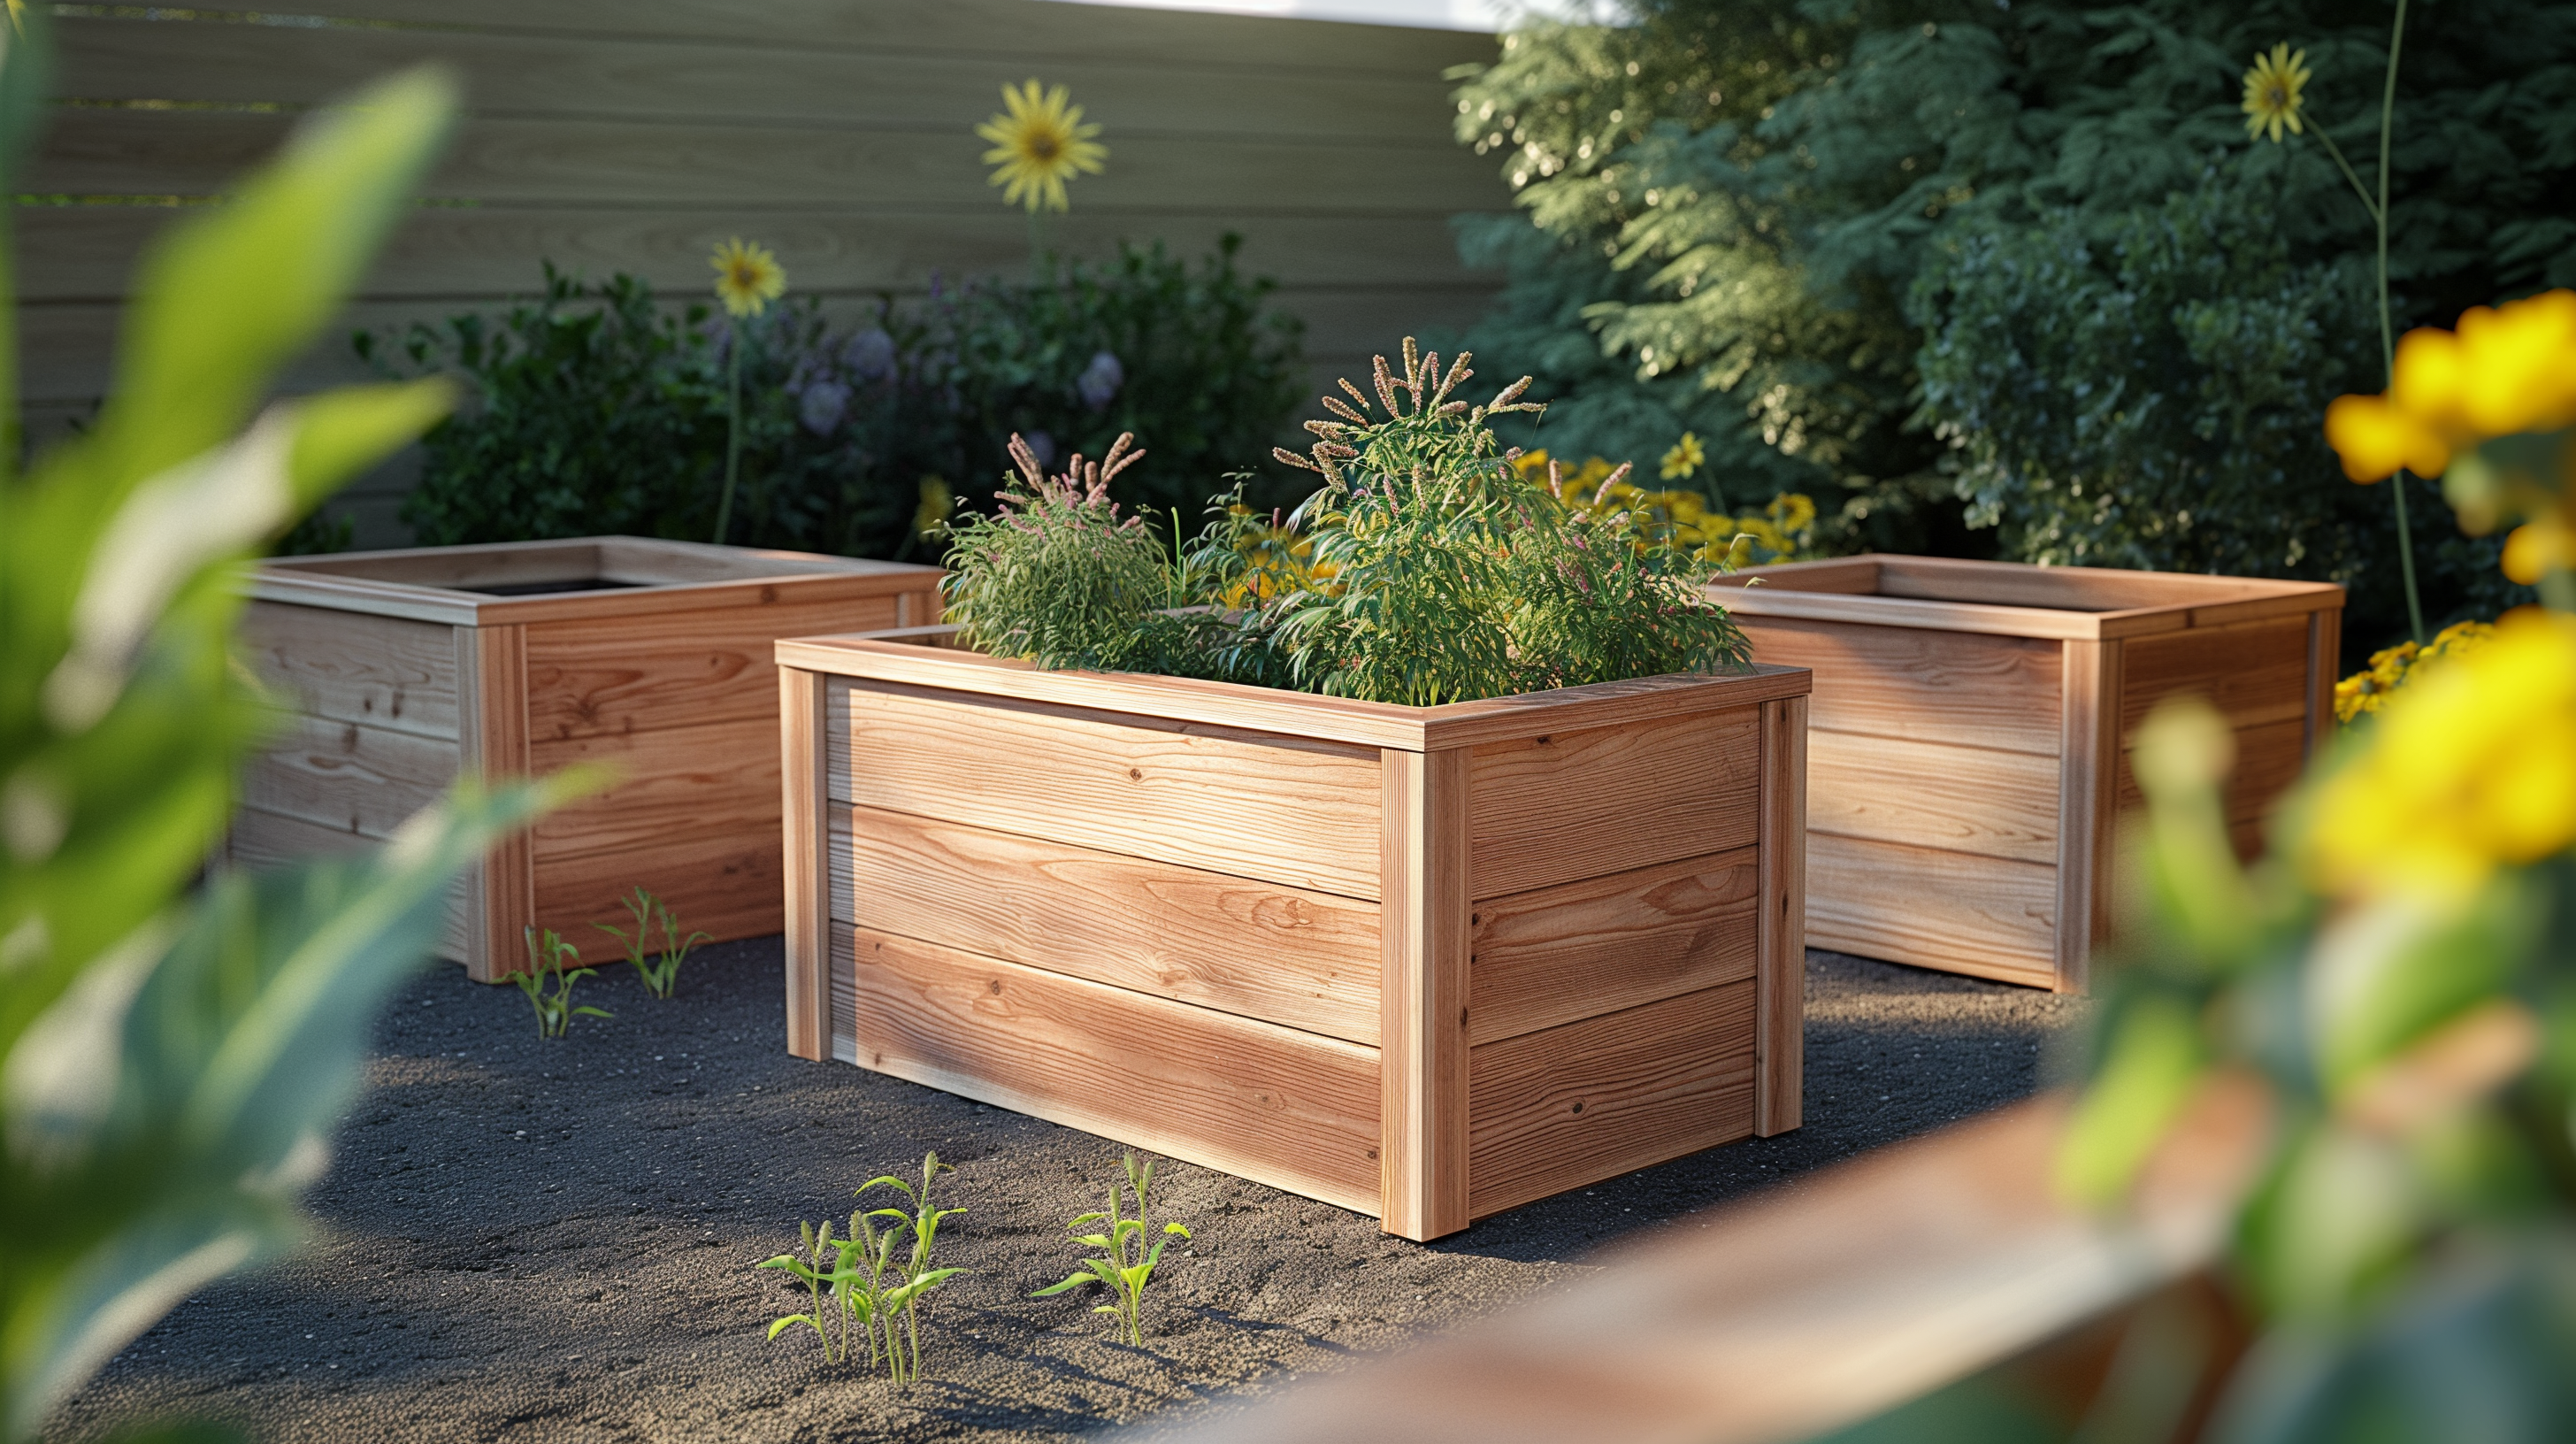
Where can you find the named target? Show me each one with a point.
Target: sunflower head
(748, 277)
(2272, 92)
(1039, 143)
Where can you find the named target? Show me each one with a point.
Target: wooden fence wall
(632, 135)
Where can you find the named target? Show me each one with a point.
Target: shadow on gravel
(527, 1239)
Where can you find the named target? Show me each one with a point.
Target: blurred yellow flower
(2272, 92)
(2368, 690)
(2469, 769)
(1039, 145)
(1683, 461)
(2505, 371)
(748, 277)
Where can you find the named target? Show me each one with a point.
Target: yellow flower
(930, 518)
(1684, 459)
(2471, 768)
(2272, 92)
(1039, 146)
(1792, 512)
(748, 277)
(2506, 371)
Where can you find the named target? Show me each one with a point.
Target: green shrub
(1427, 569)
(598, 409)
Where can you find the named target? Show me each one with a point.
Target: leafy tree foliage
(1741, 196)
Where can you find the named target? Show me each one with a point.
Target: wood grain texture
(1269, 808)
(1780, 982)
(1423, 994)
(1564, 953)
(2269, 759)
(731, 887)
(613, 675)
(1572, 1105)
(261, 839)
(1933, 794)
(2253, 674)
(1289, 1109)
(1300, 959)
(2087, 808)
(1921, 686)
(382, 672)
(492, 705)
(676, 788)
(350, 777)
(2325, 668)
(1979, 915)
(1555, 807)
(806, 870)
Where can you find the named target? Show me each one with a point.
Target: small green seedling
(1127, 1264)
(661, 973)
(546, 954)
(918, 1277)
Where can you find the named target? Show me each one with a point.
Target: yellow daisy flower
(1685, 457)
(1039, 145)
(748, 277)
(2272, 92)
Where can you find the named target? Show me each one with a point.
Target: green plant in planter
(1429, 567)
(661, 970)
(546, 954)
(916, 1277)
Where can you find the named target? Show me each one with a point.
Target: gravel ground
(525, 1239)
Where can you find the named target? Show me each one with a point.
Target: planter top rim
(641, 574)
(2013, 598)
(914, 656)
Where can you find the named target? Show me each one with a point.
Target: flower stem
(2358, 188)
(2387, 326)
(733, 437)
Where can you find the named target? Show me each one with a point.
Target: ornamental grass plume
(748, 278)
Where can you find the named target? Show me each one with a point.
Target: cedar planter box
(1969, 757)
(1424, 963)
(406, 667)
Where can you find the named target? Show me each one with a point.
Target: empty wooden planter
(1425, 963)
(518, 658)
(1969, 752)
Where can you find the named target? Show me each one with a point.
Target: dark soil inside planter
(525, 1239)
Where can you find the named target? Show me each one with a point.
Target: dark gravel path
(554, 1240)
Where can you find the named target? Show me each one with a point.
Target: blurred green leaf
(2146, 1076)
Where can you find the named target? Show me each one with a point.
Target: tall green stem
(733, 439)
(2387, 326)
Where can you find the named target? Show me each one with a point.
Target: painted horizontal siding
(633, 136)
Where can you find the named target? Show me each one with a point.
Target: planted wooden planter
(1425, 963)
(1971, 725)
(407, 667)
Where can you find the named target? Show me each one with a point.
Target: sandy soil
(526, 1239)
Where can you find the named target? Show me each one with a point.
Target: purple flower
(823, 406)
(869, 354)
(1099, 381)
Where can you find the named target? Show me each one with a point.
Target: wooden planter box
(519, 658)
(1425, 963)
(1969, 757)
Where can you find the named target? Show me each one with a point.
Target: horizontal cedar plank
(731, 887)
(828, 245)
(1928, 794)
(1571, 1105)
(1306, 960)
(561, 161)
(349, 776)
(1606, 704)
(677, 788)
(2079, 589)
(531, 75)
(1271, 808)
(1924, 686)
(1015, 32)
(2252, 674)
(385, 672)
(1564, 953)
(1919, 905)
(1289, 1109)
(262, 839)
(1560, 806)
(611, 675)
